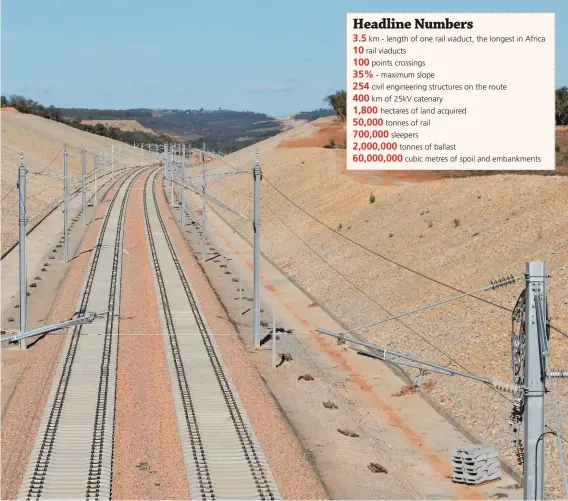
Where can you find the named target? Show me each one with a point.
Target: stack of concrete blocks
(475, 464)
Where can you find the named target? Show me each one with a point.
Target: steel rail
(81, 467)
(215, 458)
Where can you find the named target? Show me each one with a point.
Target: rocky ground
(362, 260)
(421, 238)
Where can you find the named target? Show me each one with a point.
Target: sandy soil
(23, 416)
(326, 130)
(462, 232)
(126, 125)
(147, 457)
(289, 122)
(42, 142)
(290, 468)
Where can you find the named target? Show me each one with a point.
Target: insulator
(557, 373)
(508, 387)
(500, 282)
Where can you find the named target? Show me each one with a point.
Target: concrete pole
(84, 188)
(95, 160)
(203, 203)
(22, 250)
(257, 174)
(112, 160)
(182, 188)
(65, 208)
(534, 383)
(142, 146)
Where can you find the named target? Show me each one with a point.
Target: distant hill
(127, 125)
(219, 129)
(96, 114)
(315, 114)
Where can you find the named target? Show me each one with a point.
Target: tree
(20, 103)
(338, 102)
(4, 102)
(53, 113)
(100, 129)
(562, 106)
(114, 133)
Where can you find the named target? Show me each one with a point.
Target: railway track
(223, 459)
(72, 454)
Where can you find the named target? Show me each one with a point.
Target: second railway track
(223, 459)
(72, 454)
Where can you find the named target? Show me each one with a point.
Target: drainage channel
(223, 458)
(72, 454)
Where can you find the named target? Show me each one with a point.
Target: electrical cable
(31, 177)
(375, 302)
(48, 165)
(427, 341)
(393, 261)
(543, 342)
(370, 298)
(10, 191)
(491, 286)
(558, 434)
(536, 462)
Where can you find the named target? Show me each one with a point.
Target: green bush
(338, 102)
(562, 106)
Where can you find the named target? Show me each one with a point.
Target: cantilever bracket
(88, 319)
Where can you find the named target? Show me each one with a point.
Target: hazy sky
(268, 56)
